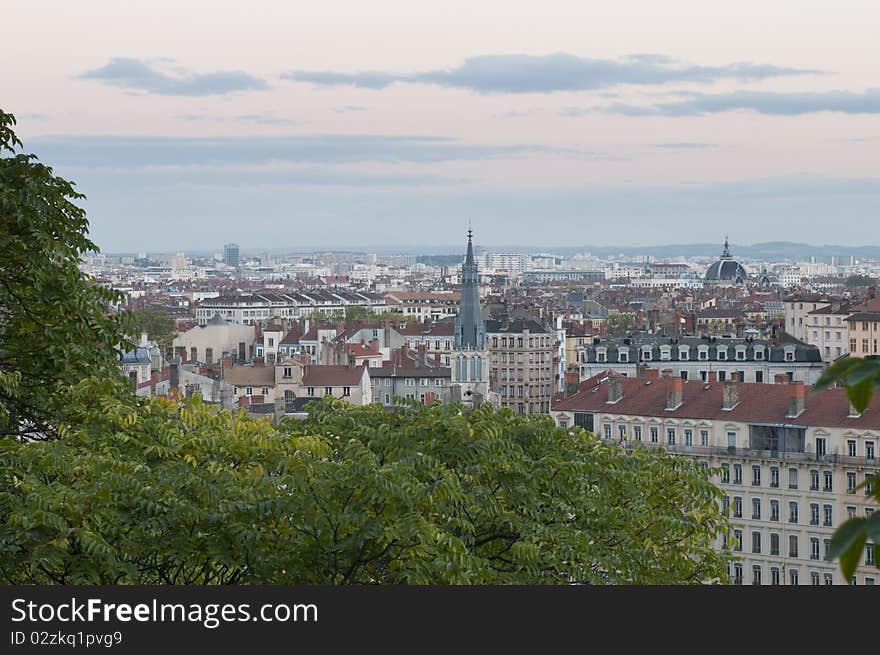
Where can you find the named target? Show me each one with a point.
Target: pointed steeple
(470, 330)
(726, 253)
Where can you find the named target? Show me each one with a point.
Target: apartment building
(250, 308)
(790, 461)
(522, 369)
(828, 330)
(797, 312)
(702, 358)
(863, 326)
(423, 306)
(423, 383)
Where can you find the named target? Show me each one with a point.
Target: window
(814, 548)
(704, 437)
(774, 510)
(249, 391)
(868, 484)
(869, 449)
(869, 553)
(346, 391)
(793, 512)
(756, 542)
(725, 505)
(756, 476)
(850, 481)
(737, 474)
(814, 513)
(688, 437)
(851, 447)
(828, 480)
(820, 445)
(606, 430)
(387, 382)
(756, 508)
(850, 511)
(826, 545)
(756, 575)
(814, 480)
(655, 433)
(774, 576)
(737, 574)
(328, 391)
(814, 578)
(265, 391)
(774, 476)
(774, 543)
(829, 579)
(725, 473)
(793, 545)
(792, 478)
(737, 540)
(637, 432)
(310, 391)
(737, 507)
(621, 432)
(670, 436)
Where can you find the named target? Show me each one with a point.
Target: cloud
(133, 74)
(140, 151)
(685, 145)
(518, 73)
(763, 102)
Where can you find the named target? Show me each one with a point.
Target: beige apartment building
(521, 364)
(791, 460)
(797, 312)
(864, 331)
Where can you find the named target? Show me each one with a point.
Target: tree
(160, 327)
(854, 281)
(616, 325)
(166, 492)
(55, 322)
(860, 377)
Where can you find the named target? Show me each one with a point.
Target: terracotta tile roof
(360, 350)
(440, 329)
(758, 403)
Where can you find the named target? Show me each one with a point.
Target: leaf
(847, 542)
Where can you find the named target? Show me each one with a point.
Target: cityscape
(536, 298)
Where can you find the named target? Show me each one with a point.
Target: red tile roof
(758, 403)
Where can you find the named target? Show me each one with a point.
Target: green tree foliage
(616, 325)
(854, 281)
(55, 327)
(181, 493)
(860, 377)
(159, 326)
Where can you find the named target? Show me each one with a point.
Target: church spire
(726, 254)
(470, 331)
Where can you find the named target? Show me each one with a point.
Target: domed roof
(727, 269)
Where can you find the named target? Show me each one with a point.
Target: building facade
(790, 462)
(522, 366)
(702, 359)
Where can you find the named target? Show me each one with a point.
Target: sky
(385, 123)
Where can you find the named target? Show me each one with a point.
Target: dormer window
(684, 354)
(646, 354)
(740, 353)
(759, 353)
(722, 354)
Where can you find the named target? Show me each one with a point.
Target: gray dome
(727, 269)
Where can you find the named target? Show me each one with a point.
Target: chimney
(712, 376)
(437, 359)
(666, 373)
(780, 378)
(652, 374)
(730, 394)
(145, 339)
(174, 375)
(615, 388)
(796, 400)
(227, 362)
(675, 397)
